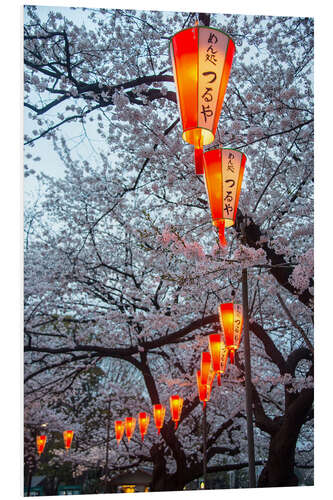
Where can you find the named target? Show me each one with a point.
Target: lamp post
(204, 390)
(204, 435)
(248, 384)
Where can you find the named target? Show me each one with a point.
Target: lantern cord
(232, 356)
(158, 431)
(218, 378)
(176, 424)
(199, 160)
(223, 241)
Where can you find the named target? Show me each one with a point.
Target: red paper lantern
(144, 419)
(129, 427)
(205, 367)
(159, 414)
(224, 170)
(40, 441)
(201, 60)
(219, 355)
(176, 405)
(119, 427)
(231, 320)
(68, 437)
(204, 390)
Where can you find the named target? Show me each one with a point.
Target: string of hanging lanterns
(201, 60)
(42, 438)
(128, 425)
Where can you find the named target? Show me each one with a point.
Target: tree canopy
(123, 270)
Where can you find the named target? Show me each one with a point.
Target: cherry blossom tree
(123, 270)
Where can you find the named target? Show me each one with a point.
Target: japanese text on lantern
(212, 48)
(230, 176)
(238, 323)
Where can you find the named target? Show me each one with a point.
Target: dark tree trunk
(279, 469)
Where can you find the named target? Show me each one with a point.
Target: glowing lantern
(119, 428)
(68, 437)
(224, 169)
(205, 367)
(201, 60)
(231, 319)
(144, 419)
(40, 441)
(219, 355)
(204, 390)
(129, 427)
(159, 414)
(176, 405)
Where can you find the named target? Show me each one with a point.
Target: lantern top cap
(207, 27)
(226, 149)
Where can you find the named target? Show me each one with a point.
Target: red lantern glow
(40, 441)
(176, 405)
(224, 170)
(205, 367)
(129, 427)
(119, 427)
(201, 60)
(144, 419)
(219, 355)
(68, 437)
(159, 414)
(231, 320)
(204, 390)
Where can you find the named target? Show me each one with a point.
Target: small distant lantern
(204, 390)
(144, 419)
(219, 355)
(224, 170)
(119, 427)
(201, 60)
(205, 367)
(68, 437)
(40, 441)
(231, 319)
(129, 427)
(176, 405)
(159, 414)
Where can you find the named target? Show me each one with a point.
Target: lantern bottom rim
(198, 136)
(227, 222)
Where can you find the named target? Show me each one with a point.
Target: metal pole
(248, 384)
(29, 482)
(107, 445)
(204, 432)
